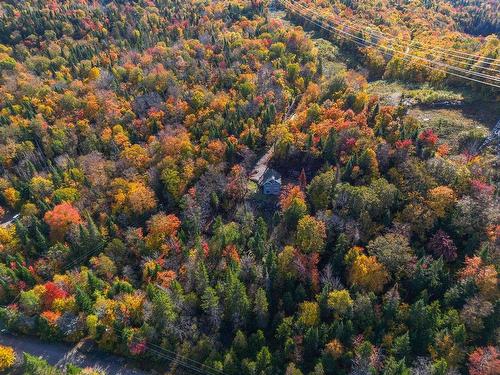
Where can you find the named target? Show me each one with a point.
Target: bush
(430, 96)
(37, 366)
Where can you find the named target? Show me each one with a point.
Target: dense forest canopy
(128, 130)
(478, 16)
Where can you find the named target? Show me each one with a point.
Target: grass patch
(452, 125)
(390, 93)
(330, 57)
(428, 96)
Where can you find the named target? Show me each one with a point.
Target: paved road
(8, 220)
(60, 355)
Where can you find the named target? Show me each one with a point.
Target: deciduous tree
(7, 357)
(311, 235)
(365, 271)
(60, 219)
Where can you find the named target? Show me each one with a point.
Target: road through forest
(60, 355)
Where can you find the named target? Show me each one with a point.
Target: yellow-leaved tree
(7, 357)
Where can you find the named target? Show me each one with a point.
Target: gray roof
(269, 176)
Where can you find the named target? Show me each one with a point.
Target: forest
(128, 134)
(477, 16)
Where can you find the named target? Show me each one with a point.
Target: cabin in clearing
(270, 182)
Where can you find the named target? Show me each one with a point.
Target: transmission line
(361, 41)
(368, 28)
(465, 71)
(460, 54)
(365, 43)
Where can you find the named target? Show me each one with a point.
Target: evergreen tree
(83, 300)
(261, 308)
(330, 147)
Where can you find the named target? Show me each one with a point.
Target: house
(267, 178)
(271, 182)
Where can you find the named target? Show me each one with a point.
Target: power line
(461, 54)
(184, 361)
(163, 353)
(365, 43)
(74, 262)
(71, 264)
(191, 360)
(158, 350)
(465, 71)
(446, 59)
(447, 54)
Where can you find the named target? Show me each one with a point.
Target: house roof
(269, 176)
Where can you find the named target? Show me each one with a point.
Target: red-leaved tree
(484, 361)
(52, 292)
(442, 245)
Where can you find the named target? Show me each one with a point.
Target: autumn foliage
(7, 357)
(484, 361)
(61, 218)
(129, 131)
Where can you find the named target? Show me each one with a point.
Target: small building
(271, 182)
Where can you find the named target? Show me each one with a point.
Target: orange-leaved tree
(60, 219)
(161, 227)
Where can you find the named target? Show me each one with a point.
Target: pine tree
(369, 164)
(57, 179)
(163, 308)
(236, 301)
(211, 307)
(40, 240)
(394, 367)
(230, 364)
(94, 283)
(95, 237)
(256, 342)
(263, 361)
(330, 147)
(22, 233)
(240, 344)
(401, 347)
(83, 301)
(261, 308)
(311, 344)
(346, 175)
(201, 279)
